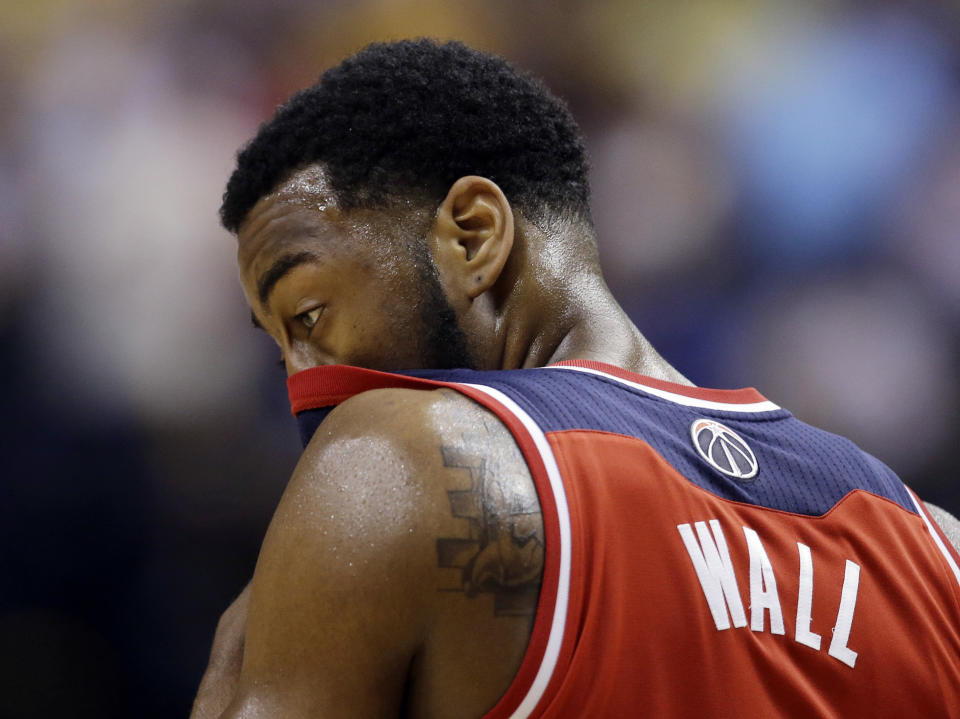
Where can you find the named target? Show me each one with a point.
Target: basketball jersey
(706, 553)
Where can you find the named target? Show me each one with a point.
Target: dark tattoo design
(502, 553)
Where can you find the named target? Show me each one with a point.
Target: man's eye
(309, 319)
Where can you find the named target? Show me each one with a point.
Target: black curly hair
(406, 120)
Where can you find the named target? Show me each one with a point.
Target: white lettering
(711, 561)
(707, 547)
(848, 603)
(763, 587)
(805, 600)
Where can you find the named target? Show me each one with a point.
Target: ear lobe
(474, 230)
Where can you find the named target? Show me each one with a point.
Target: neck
(591, 326)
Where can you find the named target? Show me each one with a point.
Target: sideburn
(444, 344)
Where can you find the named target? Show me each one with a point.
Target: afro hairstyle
(406, 120)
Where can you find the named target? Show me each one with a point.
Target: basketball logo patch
(723, 449)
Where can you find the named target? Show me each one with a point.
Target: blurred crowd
(776, 192)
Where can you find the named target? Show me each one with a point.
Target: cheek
(384, 331)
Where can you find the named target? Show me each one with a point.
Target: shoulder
(371, 468)
(376, 548)
(401, 437)
(392, 441)
(344, 589)
(402, 418)
(387, 476)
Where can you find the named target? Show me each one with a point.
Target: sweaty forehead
(308, 184)
(303, 213)
(296, 211)
(307, 188)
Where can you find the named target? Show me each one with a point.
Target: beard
(443, 342)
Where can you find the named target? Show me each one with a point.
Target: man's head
(399, 148)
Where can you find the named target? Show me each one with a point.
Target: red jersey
(707, 554)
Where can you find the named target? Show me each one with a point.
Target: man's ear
(473, 232)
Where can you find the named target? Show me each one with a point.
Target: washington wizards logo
(723, 449)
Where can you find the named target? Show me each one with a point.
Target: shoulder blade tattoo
(502, 550)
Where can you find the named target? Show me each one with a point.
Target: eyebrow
(278, 270)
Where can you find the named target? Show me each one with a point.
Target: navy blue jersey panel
(308, 420)
(801, 469)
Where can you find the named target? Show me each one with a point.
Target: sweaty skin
(349, 612)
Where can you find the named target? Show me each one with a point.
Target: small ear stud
(479, 278)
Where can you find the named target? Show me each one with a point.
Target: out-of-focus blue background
(776, 190)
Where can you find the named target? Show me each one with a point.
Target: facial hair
(444, 343)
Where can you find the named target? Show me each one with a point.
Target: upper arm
(948, 523)
(219, 683)
(342, 591)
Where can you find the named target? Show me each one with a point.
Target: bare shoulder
(374, 446)
(948, 523)
(409, 449)
(400, 571)
(487, 555)
(448, 468)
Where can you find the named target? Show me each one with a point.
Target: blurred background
(777, 195)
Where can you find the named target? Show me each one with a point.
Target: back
(709, 554)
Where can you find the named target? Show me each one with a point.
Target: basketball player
(516, 507)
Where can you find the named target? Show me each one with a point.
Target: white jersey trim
(558, 624)
(921, 510)
(765, 406)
